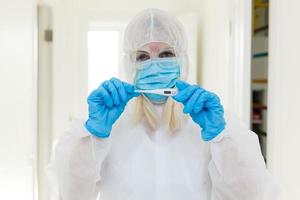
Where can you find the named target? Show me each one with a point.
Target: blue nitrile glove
(204, 107)
(106, 104)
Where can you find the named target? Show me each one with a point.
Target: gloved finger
(95, 93)
(128, 87)
(202, 98)
(120, 87)
(213, 101)
(109, 86)
(131, 95)
(183, 95)
(191, 102)
(95, 98)
(181, 85)
(130, 90)
(108, 101)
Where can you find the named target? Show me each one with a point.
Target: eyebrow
(161, 50)
(168, 48)
(142, 51)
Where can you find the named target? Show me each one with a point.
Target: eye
(142, 57)
(166, 54)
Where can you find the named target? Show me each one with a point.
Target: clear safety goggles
(166, 62)
(141, 56)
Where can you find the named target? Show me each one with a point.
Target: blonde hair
(144, 109)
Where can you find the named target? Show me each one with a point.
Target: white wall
(18, 99)
(284, 96)
(215, 47)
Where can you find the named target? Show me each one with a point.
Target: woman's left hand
(204, 107)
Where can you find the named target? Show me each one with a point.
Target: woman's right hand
(106, 104)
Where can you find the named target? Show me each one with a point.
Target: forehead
(154, 46)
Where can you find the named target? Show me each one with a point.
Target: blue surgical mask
(157, 73)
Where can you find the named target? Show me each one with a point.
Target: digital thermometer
(164, 92)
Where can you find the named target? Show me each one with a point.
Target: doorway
(259, 72)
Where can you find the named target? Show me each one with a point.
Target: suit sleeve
(78, 157)
(237, 168)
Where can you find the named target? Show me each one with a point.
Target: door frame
(240, 58)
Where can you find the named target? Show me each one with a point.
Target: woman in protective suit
(143, 146)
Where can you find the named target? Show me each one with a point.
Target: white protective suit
(134, 164)
(137, 164)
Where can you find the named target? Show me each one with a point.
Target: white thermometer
(164, 92)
